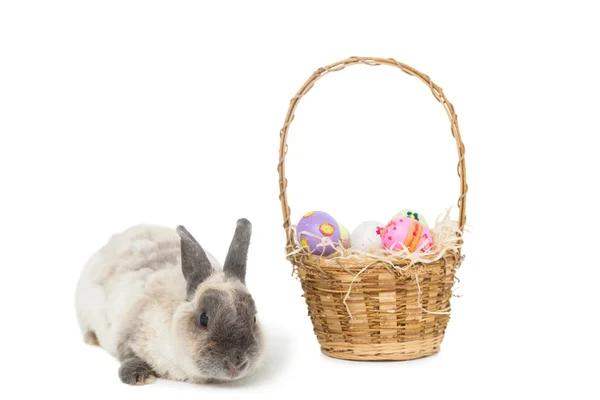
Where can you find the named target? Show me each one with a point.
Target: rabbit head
(217, 324)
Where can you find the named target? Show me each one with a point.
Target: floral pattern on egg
(326, 229)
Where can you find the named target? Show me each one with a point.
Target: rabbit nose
(237, 362)
(241, 363)
(235, 365)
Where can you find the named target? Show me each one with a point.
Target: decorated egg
(406, 232)
(411, 214)
(318, 232)
(344, 236)
(366, 236)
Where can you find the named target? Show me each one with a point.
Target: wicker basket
(374, 312)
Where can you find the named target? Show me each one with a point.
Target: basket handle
(338, 66)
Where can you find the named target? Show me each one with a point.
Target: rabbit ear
(195, 265)
(235, 262)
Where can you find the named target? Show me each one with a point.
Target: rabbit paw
(91, 339)
(134, 371)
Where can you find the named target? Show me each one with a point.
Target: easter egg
(366, 236)
(406, 232)
(344, 236)
(318, 233)
(411, 214)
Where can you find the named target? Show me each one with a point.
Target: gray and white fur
(141, 298)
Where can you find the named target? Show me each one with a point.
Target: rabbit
(165, 308)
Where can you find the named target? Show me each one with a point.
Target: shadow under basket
(385, 315)
(373, 309)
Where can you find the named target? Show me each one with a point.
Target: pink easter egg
(408, 233)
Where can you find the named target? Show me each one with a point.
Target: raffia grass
(378, 306)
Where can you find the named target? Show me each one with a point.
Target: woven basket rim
(354, 265)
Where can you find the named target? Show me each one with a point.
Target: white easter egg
(366, 236)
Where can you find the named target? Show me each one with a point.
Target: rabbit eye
(255, 319)
(203, 319)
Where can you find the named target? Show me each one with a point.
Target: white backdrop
(123, 112)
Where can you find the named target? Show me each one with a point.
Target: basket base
(383, 352)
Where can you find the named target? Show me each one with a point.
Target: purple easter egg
(317, 231)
